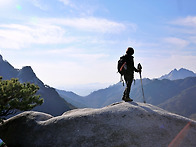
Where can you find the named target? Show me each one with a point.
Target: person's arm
(136, 70)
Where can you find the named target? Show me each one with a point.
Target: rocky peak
(174, 71)
(27, 70)
(120, 124)
(26, 74)
(1, 58)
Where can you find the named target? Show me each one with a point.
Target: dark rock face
(120, 124)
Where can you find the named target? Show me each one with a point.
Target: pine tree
(17, 96)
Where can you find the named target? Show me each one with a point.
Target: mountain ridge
(178, 74)
(178, 103)
(163, 89)
(156, 92)
(53, 103)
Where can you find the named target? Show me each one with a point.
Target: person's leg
(128, 81)
(125, 93)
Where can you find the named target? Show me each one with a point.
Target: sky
(75, 44)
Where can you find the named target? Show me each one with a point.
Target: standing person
(128, 72)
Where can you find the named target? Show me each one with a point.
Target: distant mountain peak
(26, 74)
(7, 71)
(184, 69)
(27, 69)
(178, 74)
(1, 58)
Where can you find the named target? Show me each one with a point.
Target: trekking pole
(139, 67)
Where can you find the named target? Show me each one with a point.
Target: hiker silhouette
(127, 70)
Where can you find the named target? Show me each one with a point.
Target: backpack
(121, 65)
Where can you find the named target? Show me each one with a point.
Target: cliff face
(121, 124)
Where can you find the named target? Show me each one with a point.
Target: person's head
(130, 51)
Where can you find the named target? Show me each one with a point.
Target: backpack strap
(121, 68)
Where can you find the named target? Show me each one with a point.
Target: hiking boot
(123, 98)
(128, 100)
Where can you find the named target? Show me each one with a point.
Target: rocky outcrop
(120, 124)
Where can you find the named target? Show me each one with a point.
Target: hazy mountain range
(53, 103)
(177, 96)
(178, 74)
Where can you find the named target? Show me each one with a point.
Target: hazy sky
(78, 42)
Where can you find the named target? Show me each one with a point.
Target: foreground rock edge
(119, 124)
